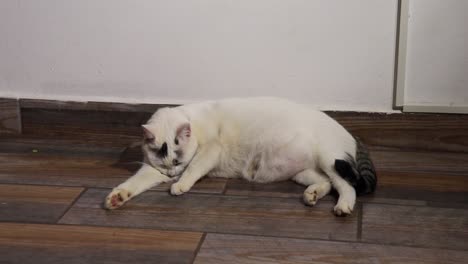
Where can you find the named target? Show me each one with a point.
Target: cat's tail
(359, 172)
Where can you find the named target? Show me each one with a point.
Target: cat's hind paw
(310, 198)
(315, 192)
(116, 199)
(343, 209)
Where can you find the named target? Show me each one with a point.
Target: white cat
(258, 139)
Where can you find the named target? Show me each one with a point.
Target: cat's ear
(184, 131)
(147, 134)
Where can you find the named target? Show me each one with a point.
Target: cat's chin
(172, 172)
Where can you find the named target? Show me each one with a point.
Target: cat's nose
(175, 162)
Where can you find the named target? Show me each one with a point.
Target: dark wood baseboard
(101, 122)
(90, 106)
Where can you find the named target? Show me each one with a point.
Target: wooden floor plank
(36, 168)
(68, 147)
(10, 117)
(219, 248)
(420, 186)
(209, 213)
(277, 189)
(27, 203)
(415, 226)
(390, 194)
(78, 170)
(430, 181)
(50, 244)
(433, 132)
(449, 163)
(100, 128)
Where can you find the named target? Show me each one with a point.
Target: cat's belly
(277, 163)
(265, 161)
(219, 173)
(277, 168)
(230, 166)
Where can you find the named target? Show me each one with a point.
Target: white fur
(258, 139)
(145, 178)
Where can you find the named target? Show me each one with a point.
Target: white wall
(437, 53)
(335, 54)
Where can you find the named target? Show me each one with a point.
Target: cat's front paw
(116, 198)
(179, 188)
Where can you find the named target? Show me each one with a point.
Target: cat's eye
(176, 141)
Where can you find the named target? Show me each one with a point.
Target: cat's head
(169, 144)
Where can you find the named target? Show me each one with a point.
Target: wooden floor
(53, 182)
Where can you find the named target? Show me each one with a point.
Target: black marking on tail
(360, 173)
